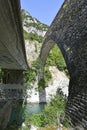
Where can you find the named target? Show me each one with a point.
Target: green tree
(55, 58)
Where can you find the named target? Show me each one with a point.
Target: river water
(34, 108)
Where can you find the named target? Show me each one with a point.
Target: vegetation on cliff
(33, 28)
(33, 36)
(57, 105)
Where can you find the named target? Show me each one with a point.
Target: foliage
(41, 84)
(39, 118)
(64, 6)
(37, 64)
(25, 15)
(44, 81)
(51, 112)
(27, 123)
(29, 76)
(33, 36)
(38, 26)
(55, 58)
(47, 75)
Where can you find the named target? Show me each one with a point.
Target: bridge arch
(69, 31)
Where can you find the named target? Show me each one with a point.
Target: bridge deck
(12, 49)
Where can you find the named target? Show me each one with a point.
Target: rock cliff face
(34, 32)
(33, 27)
(32, 50)
(59, 80)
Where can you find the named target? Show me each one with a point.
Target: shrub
(47, 75)
(29, 76)
(41, 84)
(55, 58)
(51, 112)
(33, 36)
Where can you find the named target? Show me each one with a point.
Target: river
(34, 108)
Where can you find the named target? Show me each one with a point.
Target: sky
(43, 10)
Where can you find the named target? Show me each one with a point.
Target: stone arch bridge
(69, 31)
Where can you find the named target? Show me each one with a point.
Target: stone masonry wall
(77, 106)
(69, 31)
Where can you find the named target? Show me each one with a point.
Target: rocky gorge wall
(59, 80)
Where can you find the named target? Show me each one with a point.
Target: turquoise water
(35, 108)
(17, 115)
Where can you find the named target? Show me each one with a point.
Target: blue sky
(43, 10)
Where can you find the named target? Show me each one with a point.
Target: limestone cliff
(32, 25)
(59, 80)
(34, 32)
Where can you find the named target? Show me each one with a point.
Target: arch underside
(69, 31)
(12, 49)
